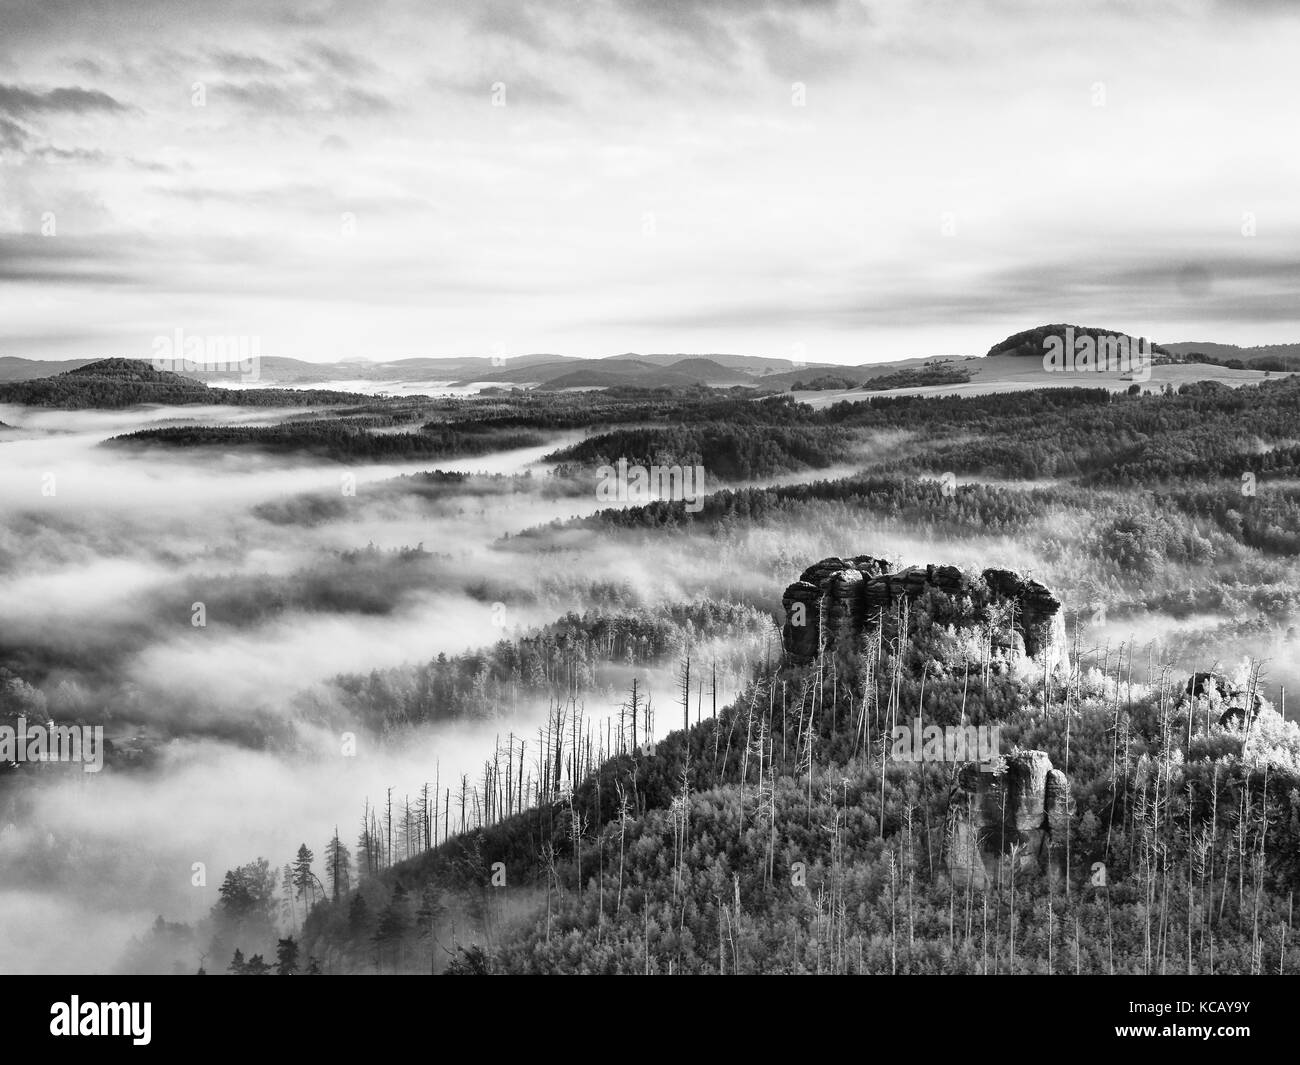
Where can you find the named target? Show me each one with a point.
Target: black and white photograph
(650, 487)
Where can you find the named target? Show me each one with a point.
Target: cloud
(12, 135)
(246, 64)
(18, 102)
(341, 61)
(30, 258)
(294, 96)
(775, 224)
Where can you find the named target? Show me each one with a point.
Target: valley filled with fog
(281, 630)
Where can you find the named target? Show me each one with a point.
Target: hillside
(1016, 373)
(798, 830)
(607, 373)
(1274, 357)
(755, 365)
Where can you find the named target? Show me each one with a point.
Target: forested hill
(1029, 342)
(786, 835)
(110, 384)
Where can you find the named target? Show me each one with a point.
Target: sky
(820, 181)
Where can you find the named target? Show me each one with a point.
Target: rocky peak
(837, 602)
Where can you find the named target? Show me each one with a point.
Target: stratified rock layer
(837, 602)
(1013, 815)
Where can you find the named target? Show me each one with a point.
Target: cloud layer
(836, 181)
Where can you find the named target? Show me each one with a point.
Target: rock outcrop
(824, 608)
(1012, 816)
(838, 602)
(1230, 703)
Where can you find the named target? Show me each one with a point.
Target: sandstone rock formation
(1231, 704)
(1014, 816)
(824, 608)
(837, 603)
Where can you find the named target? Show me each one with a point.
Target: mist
(104, 555)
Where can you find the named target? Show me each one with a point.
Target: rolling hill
(1284, 357)
(111, 384)
(607, 373)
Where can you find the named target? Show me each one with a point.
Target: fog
(114, 850)
(104, 553)
(101, 570)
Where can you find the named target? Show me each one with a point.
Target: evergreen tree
(338, 866)
(304, 880)
(286, 957)
(256, 966)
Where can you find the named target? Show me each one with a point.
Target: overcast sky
(341, 179)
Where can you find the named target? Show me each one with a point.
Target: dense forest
(918, 377)
(728, 452)
(577, 655)
(333, 440)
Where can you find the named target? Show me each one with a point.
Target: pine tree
(256, 966)
(338, 866)
(286, 957)
(304, 880)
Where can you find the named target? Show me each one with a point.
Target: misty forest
(387, 686)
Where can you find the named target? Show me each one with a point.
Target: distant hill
(479, 366)
(15, 369)
(706, 371)
(282, 370)
(544, 373)
(751, 364)
(609, 373)
(110, 384)
(1029, 342)
(1261, 357)
(592, 377)
(817, 376)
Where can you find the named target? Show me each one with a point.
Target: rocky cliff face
(837, 602)
(1014, 815)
